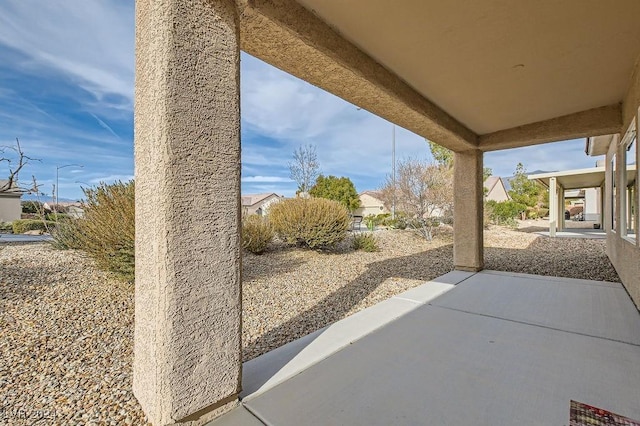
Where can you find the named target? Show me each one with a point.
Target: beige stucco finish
(468, 229)
(10, 208)
(624, 252)
(496, 65)
(288, 36)
(187, 151)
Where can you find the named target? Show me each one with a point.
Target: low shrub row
(21, 226)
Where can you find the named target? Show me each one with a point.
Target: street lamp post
(393, 169)
(57, 180)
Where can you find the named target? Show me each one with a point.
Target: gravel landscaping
(66, 329)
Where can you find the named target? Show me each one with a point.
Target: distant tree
(305, 167)
(423, 191)
(16, 159)
(339, 189)
(523, 190)
(444, 157)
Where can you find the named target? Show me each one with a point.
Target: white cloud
(91, 41)
(265, 179)
(110, 179)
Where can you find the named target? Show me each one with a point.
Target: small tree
(523, 190)
(305, 167)
(339, 189)
(444, 157)
(441, 155)
(423, 191)
(15, 161)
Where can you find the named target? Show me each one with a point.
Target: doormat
(586, 415)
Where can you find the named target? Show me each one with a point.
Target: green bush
(365, 242)
(314, 222)
(107, 230)
(6, 227)
(31, 206)
(257, 233)
(543, 212)
(55, 217)
(23, 225)
(505, 212)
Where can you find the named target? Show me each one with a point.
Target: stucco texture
(468, 244)
(187, 152)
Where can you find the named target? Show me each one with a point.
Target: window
(629, 175)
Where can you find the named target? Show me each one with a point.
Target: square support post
(187, 343)
(553, 207)
(561, 209)
(468, 221)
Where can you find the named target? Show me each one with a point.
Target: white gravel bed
(66, 329)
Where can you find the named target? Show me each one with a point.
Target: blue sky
(66, 90)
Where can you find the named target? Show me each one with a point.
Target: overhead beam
(291, 38)
(593, 122)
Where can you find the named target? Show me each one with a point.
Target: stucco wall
(370, 205)
(10, 208)
(624, 252)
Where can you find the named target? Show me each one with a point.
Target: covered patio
(487, 348)
(471, 76)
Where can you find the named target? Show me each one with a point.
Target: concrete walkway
(21, 238)
(491, 348)
(596, 234)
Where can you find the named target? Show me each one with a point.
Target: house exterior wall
(498, 193)
(261, 207)
(592, 204)
(624, 252)
(10, 208)
(370, 205)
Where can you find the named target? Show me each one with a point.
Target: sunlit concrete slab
(594, 308)
(497, 349)
(594, 234)
(238, 416)
(265, 372)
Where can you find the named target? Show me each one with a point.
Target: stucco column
(187, 346)
(561, 209)
(468, 221)
(553, 207)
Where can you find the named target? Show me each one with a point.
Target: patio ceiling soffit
(291, 38)
(288, 36)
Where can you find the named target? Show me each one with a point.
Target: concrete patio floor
(490, 348)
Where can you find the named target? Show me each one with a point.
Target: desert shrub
(505, 212)
(365, 242)
(6, 227)
(314, 222)
(107, 230)
(543, 212)
(31, 206)
(67, 234)
(257, 233)
(23, 225)
(370, 221)
(55, 217)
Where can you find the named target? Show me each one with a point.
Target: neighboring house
(258, 203)
(495, 189)
(10, 208)
(371, 203)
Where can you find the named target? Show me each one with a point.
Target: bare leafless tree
(423, 191)
(16, 159)
(305, 167)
